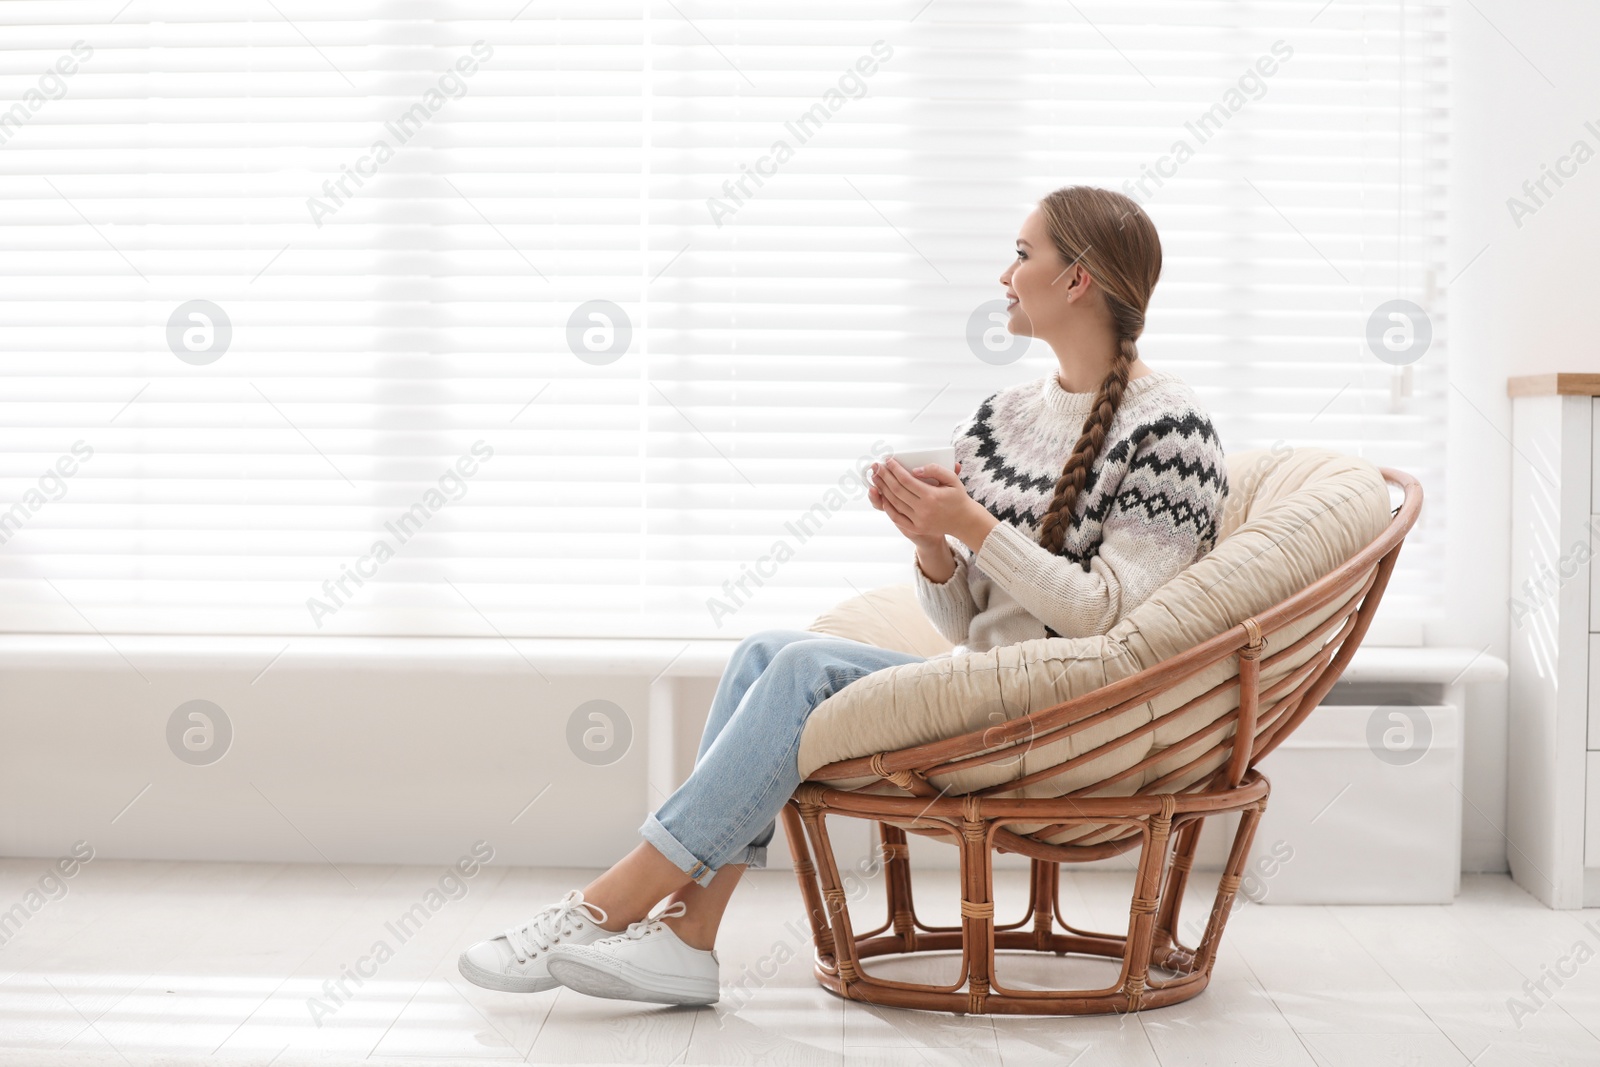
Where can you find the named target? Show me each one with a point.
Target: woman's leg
(725, 813)
(697, 926)
(638, 881)
(519, 959)
(745, 665)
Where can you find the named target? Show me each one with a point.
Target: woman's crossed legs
(698, 843)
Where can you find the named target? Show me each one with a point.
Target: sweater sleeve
(949, 605)
(1141, 549)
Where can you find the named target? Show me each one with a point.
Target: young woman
(1050, 547)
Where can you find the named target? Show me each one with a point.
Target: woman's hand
(877, 471)
(921, 511)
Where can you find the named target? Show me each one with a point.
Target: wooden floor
(209, 963)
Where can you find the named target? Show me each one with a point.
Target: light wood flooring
(146, 962)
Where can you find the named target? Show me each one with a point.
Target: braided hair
(1117, 244)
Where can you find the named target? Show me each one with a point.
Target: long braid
(1116, 243)
(1058, 517)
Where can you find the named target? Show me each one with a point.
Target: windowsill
(1442, 666)
(652, 658)
(690, 658)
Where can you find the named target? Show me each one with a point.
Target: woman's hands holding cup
(923, 512)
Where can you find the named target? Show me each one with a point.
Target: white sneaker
(515, 960)
(645, 962)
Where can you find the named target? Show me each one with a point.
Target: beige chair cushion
(1292, 515)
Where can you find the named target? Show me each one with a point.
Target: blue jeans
(747, 766)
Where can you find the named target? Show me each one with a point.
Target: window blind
(566, 319)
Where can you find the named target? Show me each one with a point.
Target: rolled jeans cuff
(670, 847)
(701, 872)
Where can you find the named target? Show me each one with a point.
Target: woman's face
(1039, 286)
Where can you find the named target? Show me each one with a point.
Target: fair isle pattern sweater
(1149, 508)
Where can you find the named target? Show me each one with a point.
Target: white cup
(912, 458)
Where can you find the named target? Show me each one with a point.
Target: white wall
(345, 751)
(1525, 82)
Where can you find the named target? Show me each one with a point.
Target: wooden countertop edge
(1554, 385)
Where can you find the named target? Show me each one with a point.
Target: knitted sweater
(1149, 508)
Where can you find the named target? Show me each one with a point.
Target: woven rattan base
(1168, 829)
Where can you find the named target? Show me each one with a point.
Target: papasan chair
(1074, 749)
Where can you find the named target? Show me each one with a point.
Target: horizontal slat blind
(535, 329)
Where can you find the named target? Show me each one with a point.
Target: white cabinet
(1591, 848)
(1594, 694)
(1344, 828)
(1553, 747)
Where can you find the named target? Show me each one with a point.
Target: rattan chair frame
(1164, 826)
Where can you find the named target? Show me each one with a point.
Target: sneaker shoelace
(647, 924)
(550, 924)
